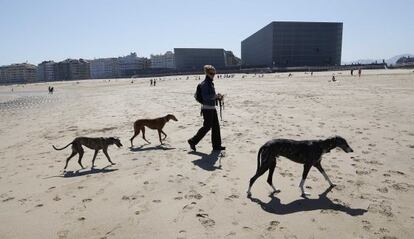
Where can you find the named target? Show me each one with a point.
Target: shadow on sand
(159, 147)
(78, 173)
(207, 161)
(305, 204)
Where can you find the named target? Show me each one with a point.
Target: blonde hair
(208, 68)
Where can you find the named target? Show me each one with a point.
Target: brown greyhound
(92, 143)
(157, 124)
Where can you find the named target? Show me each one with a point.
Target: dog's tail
(258, 157)
(63, 147)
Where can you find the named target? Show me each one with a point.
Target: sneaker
(192, 146)
(219, 148)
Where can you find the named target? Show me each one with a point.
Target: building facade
(130, 65)
(46, 71)
(193, 59)
(293, 44)
(72, 69)
(164, 61)
(231, 59)
(18, 73)
(104, 68)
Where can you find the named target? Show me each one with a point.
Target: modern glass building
(193, 59)
(291, 44)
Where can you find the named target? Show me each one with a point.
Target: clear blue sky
(36, 30)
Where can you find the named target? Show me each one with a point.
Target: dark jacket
(208, 92)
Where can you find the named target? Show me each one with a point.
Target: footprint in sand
(396, 172)
(205, 220)
(273, 225)
(366, 225)
(193, 195)
(362, 172)
(382, 190)
(86, 200)
(56, 198)
(402, 187)
(232, 197)
(189, 207)
(8, 199)
(382, 208)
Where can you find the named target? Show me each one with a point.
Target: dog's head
(116, 141)
(171, 117)
(341, 143)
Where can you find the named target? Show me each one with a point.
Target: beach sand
(167, 192)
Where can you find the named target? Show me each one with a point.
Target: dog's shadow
(207, 161)
(158, 147)
(305, 204)
(78, 173)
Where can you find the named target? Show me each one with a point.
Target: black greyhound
(306, 152)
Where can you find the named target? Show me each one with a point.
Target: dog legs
(306, 169)
(159, 135)
(107, 156)
(80, 157)
(67, 160)
(136, 132)
(259, 173)
(262, 167)
(270, 176)
(94, 157)
(143, 134)
(165, 135)
(319, 167)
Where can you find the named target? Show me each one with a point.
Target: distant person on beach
(206, 95)
(359, 72)
(352, 72)
(155, 82)
(151, 82)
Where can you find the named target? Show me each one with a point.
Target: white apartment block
(46, 71)
(103, 68)
(166, 60)
(130, 64)
(18, 73)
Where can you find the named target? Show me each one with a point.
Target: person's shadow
(207, 161)
(305, 204)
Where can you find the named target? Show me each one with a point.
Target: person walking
(206, 95)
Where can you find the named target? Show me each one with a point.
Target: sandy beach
(166, 191)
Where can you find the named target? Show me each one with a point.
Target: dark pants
(210, 122)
